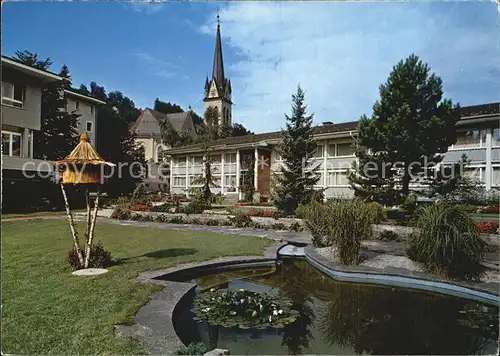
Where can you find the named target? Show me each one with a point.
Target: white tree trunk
(72, 226)
(87, 226)
(91, 230)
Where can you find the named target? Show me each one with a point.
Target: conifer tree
(295, 184)
(410, 126)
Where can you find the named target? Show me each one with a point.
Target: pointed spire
(207, 83)
(218, 67)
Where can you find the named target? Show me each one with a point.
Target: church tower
(218, 88)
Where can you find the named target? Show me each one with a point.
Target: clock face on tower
(213, 93)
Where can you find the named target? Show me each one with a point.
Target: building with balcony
(21, 117)
(21, 114)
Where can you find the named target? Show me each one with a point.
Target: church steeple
(218, 66)
(218, 87)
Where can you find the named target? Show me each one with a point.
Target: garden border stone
(401, 277)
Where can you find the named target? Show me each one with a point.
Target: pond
(339, 318)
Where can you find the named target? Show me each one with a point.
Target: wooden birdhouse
(83, 165)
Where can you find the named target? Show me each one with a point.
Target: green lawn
(47, 310)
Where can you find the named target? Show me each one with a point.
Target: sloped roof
(254, 138)
(466, 111)
(483, 109)
(84, 153)
(149, 122)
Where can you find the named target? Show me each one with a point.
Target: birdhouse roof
(84, 153)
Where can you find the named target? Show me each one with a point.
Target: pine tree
(64, 72)
(410, 126)
(295, 184)
(58, 134)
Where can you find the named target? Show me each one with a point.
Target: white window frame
(193, 162)
(229, 161)
(91, 126)
(179, 178)
(493, 143)
(10, 101)
(336, 150)
(11, 133)
(481, 145)
(336, 172)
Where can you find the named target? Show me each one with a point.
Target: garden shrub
(410, 204)
(278, 226)
(447, 242)
(342, 223)
(99, 257)
(296, 227)
(316, 223)
(276, 215)
(121, 214)
(212, 222)
(377, 211)
(240, 220)
(194, 208)
(471, 209)
(301, 211)
(388, 235)
(193, 349)
(487, 227)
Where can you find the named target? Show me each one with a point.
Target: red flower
(252, 213)
(268, 213)
(139, 207)
(487, 227)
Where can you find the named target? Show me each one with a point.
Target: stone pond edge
(152, 325)
(401, 277)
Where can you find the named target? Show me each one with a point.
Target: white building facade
(478, 138)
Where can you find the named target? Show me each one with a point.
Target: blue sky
(339, 52)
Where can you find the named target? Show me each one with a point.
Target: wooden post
(87, 227)
(91, 231)
(72, 226)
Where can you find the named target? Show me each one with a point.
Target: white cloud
(341, 52)
(146, 7)
(155, 66)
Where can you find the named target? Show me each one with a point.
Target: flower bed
(487, 227)
(238, 220)
(491, 209)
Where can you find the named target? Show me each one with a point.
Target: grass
(47, 310)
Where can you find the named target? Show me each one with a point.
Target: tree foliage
(166, 108)
(411, 125)
(295, 184)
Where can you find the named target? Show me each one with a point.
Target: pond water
(339, 318)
